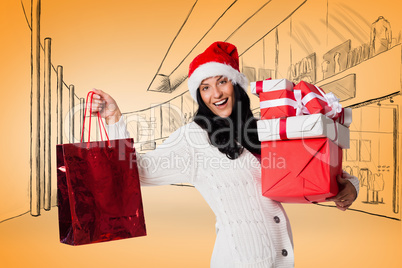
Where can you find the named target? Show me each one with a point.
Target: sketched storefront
(365, 74)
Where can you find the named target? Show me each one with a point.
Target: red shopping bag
(99, 196)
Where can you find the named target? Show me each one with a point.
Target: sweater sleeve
(170, 163)
(118, 130)
(355, 181)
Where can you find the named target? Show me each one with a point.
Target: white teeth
(220, 102)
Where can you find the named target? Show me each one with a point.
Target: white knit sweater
(252, 230)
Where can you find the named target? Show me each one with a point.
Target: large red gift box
(300, 171)
(276, 98)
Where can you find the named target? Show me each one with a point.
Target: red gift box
(312, 100)
(300, 171)
(276, 98)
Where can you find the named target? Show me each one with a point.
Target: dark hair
(230, 135)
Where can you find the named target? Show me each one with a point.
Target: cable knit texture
(252, 231)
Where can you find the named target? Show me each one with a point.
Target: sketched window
(352, 152)
(365, 151)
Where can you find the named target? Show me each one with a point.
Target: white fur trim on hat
(211, 69)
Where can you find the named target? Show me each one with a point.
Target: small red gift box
(316, 101)
(300, 171)
(276, 98)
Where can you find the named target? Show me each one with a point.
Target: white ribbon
(300, 108)
(277, 102)
(311, 96)
(333, 102)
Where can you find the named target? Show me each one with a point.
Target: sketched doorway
(373, 158)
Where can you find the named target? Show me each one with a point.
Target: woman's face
(218, 94)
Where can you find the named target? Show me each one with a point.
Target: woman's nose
(217, 92)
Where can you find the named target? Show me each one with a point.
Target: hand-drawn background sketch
(139, 53)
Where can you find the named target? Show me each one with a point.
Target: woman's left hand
(347, 192)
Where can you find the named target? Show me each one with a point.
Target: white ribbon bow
(333, 102)
(300, 108)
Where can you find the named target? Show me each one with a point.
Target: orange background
(118, 46)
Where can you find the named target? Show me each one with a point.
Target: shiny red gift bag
(300, 171)
(99, 196)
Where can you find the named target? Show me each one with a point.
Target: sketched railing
(41, 114)
(148, 125)
(41, 150)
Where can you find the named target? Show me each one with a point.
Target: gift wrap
(312, 97)
(313, 100)
(301, 157)
(345, 117)
(303, 127)
(300, 171)
(276, 98)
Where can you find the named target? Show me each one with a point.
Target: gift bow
(333, 103)
(300, 108)
(331, 100)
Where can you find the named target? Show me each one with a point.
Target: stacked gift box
(302, 132)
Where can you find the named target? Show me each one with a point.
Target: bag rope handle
(100, 121)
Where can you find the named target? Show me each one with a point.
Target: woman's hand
(106, 106)
(347, 192)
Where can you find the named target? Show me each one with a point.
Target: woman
(218, 153)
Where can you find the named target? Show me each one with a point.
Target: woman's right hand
(106, 106)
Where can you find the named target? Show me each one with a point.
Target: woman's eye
(204, 88)
(223, 82)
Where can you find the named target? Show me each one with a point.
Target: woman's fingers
(346, 195)
(99, 94)
(106, 106)
(98, 106)
(342, 206)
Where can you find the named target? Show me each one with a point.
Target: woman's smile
(221, 103)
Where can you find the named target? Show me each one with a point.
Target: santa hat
(220, 58)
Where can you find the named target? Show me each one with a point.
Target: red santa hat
(220, 58)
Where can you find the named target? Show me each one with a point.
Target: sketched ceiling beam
(273, 28)
(255, 13)
(164, 83)
(171, 44)
(199, 41)
(168, 83)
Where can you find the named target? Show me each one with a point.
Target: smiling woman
(222, 155)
